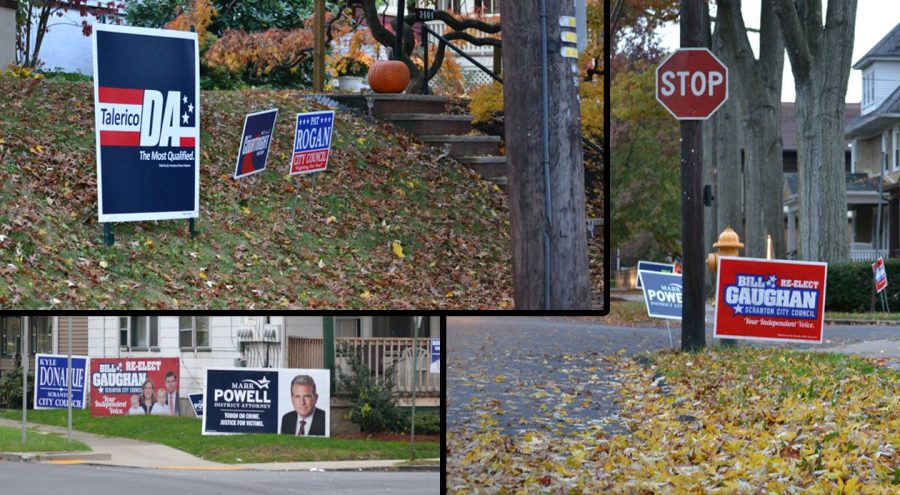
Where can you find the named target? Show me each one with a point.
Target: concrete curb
(53, 456)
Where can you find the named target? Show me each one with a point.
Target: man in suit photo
(172, 399)
(306, 419)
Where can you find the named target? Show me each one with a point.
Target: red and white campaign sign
(692, 83)
(776, 300)
(120, 112)
(880, 275)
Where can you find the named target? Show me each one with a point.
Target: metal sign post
(412, 438)
(69, 376)
(25, 322)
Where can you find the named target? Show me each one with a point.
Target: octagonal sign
(692, 83)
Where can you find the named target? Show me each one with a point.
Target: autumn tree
(756, 86)
(459, 29)
(820, 61)
(34, 18)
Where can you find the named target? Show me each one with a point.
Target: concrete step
(464, 145)
(383, 105)
(485, 166)
(432, 124)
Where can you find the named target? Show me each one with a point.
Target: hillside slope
(254, 250)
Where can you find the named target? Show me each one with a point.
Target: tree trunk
(561, 231)
(820, 61)
(757, 89)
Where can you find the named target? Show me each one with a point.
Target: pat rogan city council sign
(147, 120)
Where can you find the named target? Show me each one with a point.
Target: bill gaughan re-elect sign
(147, 116)
(51, 388)
(134, 386)
(255, 143)
(294, 402)
(770, 300)
(662, 294)
(650, 266)
(312, 142)
(435, 355)
(880, 275)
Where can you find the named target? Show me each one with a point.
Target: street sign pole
(25, 322)
(693, 331)
(69, 376)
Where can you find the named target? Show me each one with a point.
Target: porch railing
(867, 254)
(439, 27)
(378, 354)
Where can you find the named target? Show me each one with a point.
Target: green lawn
(184, 434)
(11, 441)
(863, 316)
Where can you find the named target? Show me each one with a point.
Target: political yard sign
(662, 294)
(256, 139)
(770, 300)
(435, 355)
(880, 275)
(51, 387)
(132, 386)
(147, 116)
(312, 142)
(294, 402)
(651, 266)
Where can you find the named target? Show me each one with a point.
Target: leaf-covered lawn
(387, 226)
(747, 420)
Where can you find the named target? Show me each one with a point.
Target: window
(40, 336)
(139, 332)
(896, 149)
(487, 6)
(449, 5)
(193, 332)
(347, 326)
(398, 326)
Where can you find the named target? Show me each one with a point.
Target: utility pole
(693, 326)
(319, 48)
(25, 322)
(545, 168)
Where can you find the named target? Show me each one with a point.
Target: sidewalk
(125, 452)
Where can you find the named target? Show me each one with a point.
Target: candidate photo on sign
(306, 419)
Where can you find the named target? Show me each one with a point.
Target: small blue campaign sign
(662, 294)
(147, 121)
(255, 143)
(650, 266)
(312, 142)
(197, 402)
(51, 387)
(435, 355)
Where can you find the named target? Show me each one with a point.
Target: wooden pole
(693, 326)
(546, 190)
(319, 48)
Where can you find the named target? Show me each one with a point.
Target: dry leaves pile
(388, 226)
(746, 420)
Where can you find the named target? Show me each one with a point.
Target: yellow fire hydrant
(729, 245)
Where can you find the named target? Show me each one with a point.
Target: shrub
(427, 422)
(371, 404)
(851, 286)
(11, 388)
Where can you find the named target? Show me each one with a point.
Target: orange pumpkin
(388, 76)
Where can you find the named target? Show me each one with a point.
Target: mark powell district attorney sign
(147, 113)
(662, 294)
(770, 300)
(292, 402)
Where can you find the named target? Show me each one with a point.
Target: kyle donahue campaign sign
(770, 300)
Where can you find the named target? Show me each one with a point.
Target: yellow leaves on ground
(397, 248)
(330, 219)
(365, 294)
(103, 264)
(743, 420)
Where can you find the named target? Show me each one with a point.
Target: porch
(378, 354)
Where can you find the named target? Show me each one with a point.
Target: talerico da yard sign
(147, 111)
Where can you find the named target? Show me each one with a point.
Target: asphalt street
(512, 359)
(17, 478)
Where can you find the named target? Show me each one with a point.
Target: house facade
(46, 335)
(875, 138)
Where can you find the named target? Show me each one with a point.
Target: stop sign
(692, 83)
